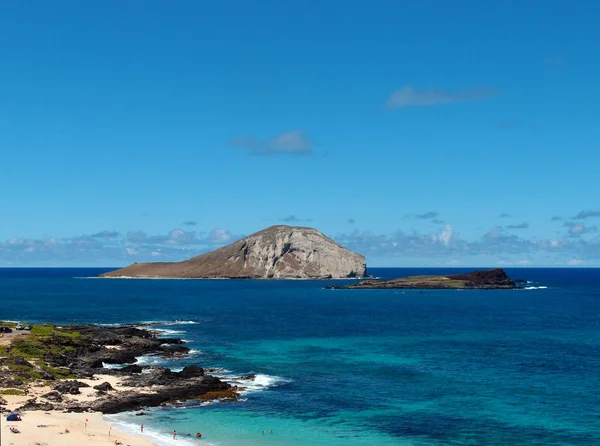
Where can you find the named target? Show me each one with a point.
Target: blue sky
(417, 133)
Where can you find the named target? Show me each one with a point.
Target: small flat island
(494, 279)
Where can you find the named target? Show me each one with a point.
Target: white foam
(157, 437)
(259, 383)
(171, 322)
(147, 360)
(113, 366)
(167, 332)
(534, 288)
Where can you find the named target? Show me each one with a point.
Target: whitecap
(113, 366)
(259, 383)
(167, 332)
(148, 360)
(171, 322)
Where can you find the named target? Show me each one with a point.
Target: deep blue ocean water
(357, 367)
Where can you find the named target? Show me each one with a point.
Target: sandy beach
(41, 428)
(49, 429)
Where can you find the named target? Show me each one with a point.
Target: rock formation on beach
(278, 252)
(61, 357)
(489, 280)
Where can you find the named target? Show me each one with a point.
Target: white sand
(48, 429)
(54, 423)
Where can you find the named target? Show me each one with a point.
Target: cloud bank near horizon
(576, 245)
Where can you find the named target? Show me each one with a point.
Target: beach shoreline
(48, 427)
(56, 428)
(63, 394)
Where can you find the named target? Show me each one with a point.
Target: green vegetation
(12, 392)
(34, 346)
(58, 372)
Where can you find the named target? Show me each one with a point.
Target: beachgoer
(271, 431)
(142, 428)
(198, 435)
(66, 430)
(263, 432)
(174, 435)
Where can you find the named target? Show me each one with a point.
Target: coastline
(80, 403)
(40, 427)
(48, 428)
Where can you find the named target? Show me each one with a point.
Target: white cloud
(408, 97)
(453, 262)
(575, 262)
(524, 262)
(445, 236)
(293, 142)
(220, 236)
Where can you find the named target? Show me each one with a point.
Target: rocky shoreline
(59, 359)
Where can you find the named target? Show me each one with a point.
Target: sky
(426, 133)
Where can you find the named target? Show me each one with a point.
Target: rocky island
(278, 252)
(493, 279)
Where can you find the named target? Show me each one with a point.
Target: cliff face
(278, 252)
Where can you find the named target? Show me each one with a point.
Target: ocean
(355, 367)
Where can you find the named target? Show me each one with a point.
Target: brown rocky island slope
(491, 279)
(278, 252)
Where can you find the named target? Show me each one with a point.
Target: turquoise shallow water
(354, 367)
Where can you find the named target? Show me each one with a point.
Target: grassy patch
(58, 372)
(42, 330)
(12, 392)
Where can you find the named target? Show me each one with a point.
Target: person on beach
(142, 428)
(198, 435)
(174, 435)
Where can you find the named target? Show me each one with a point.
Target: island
(277, 252)
(494, 279)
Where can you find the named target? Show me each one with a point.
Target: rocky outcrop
(492, 279)
(81, 351)
(178, 389)
(278, 252)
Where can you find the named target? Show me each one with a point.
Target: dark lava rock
(57, 360)
(495, 276)
(32, 404)
(132, 400)
(139, 414)
(76, 407)
(71, 387)
(104, 387)
(246, 378)
(159, 376)
(191, 371)
(53, 396)
(46, 375)
(175, 350)
(133, 368)
(171, 341)
(18, 360)
(12, 383)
